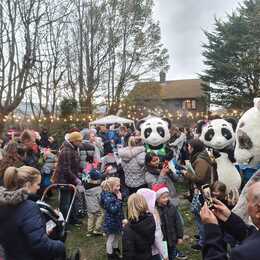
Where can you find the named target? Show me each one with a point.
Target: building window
(189, 104)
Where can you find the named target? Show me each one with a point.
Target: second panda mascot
(219, 135)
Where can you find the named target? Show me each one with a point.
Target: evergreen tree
(232, 56)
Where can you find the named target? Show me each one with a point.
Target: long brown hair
(10, 158)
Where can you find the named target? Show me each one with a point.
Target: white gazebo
(110, 120)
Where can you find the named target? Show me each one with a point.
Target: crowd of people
(110, 167)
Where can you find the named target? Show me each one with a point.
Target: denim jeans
(200, 227)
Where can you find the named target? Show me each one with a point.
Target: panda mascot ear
(168, 121)
(233, 122)
(138, 125)
(200, 125)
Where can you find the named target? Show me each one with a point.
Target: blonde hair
(137, 206)
(109, 184)
(16, 178)
(132, 141)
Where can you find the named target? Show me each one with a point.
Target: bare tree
(50, 66)
(20, 21)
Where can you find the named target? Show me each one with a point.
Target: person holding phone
(203, 172)
(221, 217)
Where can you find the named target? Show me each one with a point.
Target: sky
(182, 23)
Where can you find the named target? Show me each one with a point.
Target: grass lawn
(93, 248)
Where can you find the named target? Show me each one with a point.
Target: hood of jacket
(12, 198)
(202, 155)
(145, 227)
(127, 153)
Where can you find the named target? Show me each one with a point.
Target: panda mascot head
(247, 151)
(247, 148)
(217, 133)
(155, 132)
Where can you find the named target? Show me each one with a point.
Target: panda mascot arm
(219, 135)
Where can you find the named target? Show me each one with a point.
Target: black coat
(171, 224)
(138, 238)
(23, 231)
(215, 247)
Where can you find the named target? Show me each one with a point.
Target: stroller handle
(58, 186)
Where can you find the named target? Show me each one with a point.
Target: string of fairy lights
(133, 112)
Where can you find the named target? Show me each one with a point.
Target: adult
(132, 161)
(67, 170)
(202, 172)
(44, 141)
(22, 230)
(249, 236)
(12, 157)
(102, 133)
(154, 174)
(179, 142)
(97, 143)
(85, 148)
(32, 151)
(124, 135)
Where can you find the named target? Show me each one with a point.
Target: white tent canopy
(111, 119)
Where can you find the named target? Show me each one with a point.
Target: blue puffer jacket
(22, 229)
(113, 212)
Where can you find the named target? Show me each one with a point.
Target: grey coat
(93, 199)
(132, 160)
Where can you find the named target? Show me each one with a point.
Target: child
(91, 174)
(111, 202)
(159, 250)
(109, 163)
(219, 191)
(139, 233)
(172, 227)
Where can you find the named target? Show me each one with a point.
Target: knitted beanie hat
(75, 136)
(159, 189)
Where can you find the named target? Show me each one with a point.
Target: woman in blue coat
(22, 229)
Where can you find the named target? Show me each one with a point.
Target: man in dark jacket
(67, 171)
(221, 216)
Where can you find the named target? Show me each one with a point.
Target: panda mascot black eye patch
(147, 132)
(226, 133)
(160, 131)
(209, 135)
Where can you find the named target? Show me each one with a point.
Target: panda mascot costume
(247, 150)
(219, 135)
(155, 132)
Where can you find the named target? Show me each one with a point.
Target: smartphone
(207, 195)
(166, 164)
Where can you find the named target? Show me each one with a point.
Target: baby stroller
(56, 223)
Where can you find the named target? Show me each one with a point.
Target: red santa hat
(159, 189)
